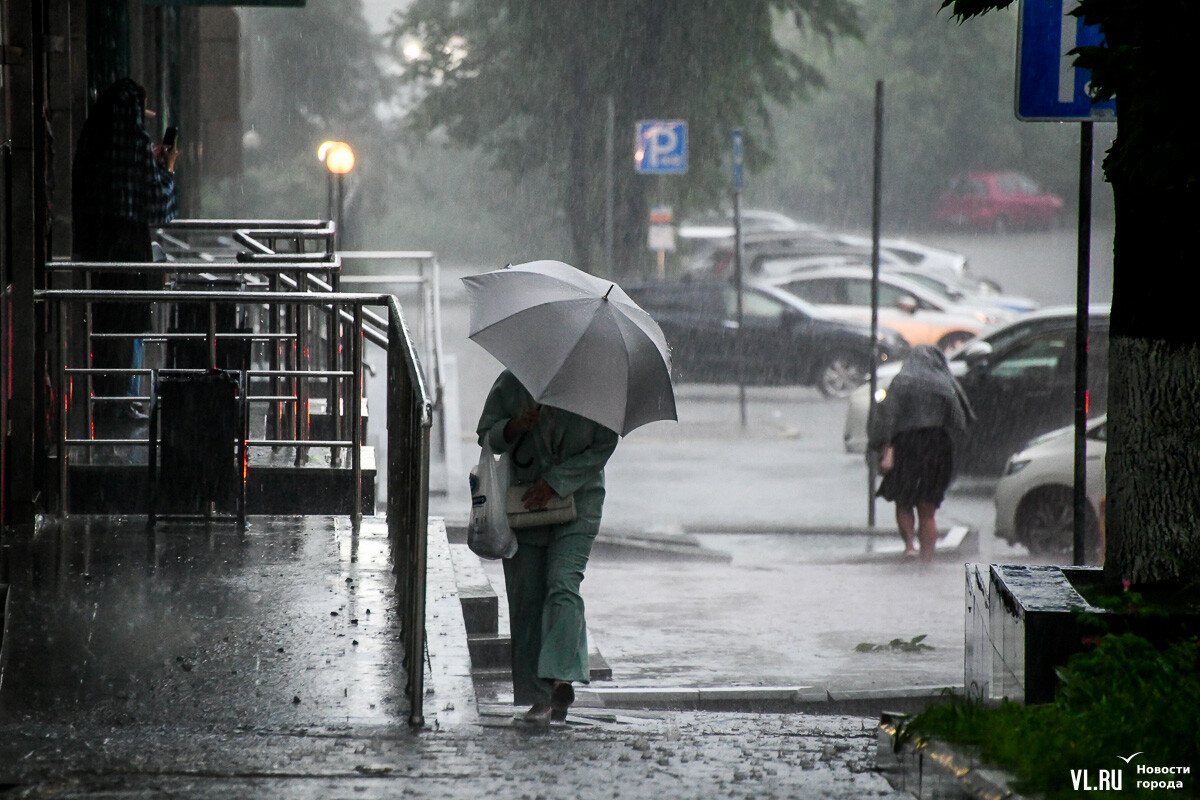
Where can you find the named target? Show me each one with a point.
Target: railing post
(212, 335)
(64, 389)
(90, 382)
(299, 320)
(354, 399)
(334, 411)
(275, 419)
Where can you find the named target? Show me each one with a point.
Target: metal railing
(299, 347)
(292, 325)
(409, 419)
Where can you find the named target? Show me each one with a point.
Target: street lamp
(338, 159)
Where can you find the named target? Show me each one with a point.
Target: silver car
(1035, 497)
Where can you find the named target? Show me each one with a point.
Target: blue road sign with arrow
(1049, 87)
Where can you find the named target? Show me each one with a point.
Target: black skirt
(923, 464)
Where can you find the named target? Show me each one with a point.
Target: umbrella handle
(513, 453)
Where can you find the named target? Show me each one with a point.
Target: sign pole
(609, 146)
(876, 226)
(738, 162)
(1082, 301)
(1051, 88)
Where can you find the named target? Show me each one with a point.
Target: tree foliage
(530, 82)
(312, 74)
(948, 107)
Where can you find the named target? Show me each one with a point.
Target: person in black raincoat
(121, 186)
(912, 431)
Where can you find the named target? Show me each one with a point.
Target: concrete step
(598, 669)
(272, 487)
(480, 605)
(491, 649)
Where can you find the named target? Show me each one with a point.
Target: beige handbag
(556, 511)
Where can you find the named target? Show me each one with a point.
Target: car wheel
(1000, 225)
(953, 340)
(841, 375)
(1045, 524)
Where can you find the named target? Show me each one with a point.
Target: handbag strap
(513, 454)
(513, 450)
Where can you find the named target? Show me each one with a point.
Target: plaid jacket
(115, 173)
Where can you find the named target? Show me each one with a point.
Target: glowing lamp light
(340, 158)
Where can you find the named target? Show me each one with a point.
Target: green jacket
(565, 449)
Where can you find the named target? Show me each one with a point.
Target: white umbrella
(575, 341)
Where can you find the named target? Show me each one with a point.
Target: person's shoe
(562, 694)
(538, 715)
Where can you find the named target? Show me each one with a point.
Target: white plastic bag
(488, 533)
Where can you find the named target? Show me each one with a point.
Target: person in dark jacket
(912, 431)
(121, 186)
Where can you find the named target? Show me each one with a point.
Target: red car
(998, 201)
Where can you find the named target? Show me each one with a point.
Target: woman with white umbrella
(554, 452)
(585, 364)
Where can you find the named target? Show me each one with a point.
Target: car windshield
(933, 284)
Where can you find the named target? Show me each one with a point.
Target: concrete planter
(1022, 622)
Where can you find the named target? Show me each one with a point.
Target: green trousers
(545, 611)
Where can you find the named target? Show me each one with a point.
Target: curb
(931, 768)
(766, 699)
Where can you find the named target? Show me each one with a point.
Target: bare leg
(907, 522)
(927, 532)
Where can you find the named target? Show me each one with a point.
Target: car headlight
(1015, 465)
(880, 393)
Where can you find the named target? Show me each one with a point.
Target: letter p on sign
(661, 147)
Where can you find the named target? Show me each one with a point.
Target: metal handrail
(280, 267)
(409, 403)
(409, 421)
(428, 281)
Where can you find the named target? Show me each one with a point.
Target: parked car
(968, 290)
(774, 252)
(919, 314)
(1020, 378)
(997, 201)
(770, 250)
(923, 257)
(1035, 498)
(785, 340)
(720, 225)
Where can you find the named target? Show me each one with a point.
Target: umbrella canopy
(575, 341)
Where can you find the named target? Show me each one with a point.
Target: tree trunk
(1153, 506)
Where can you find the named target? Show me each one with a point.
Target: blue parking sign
(1049, 87)
(661, 147)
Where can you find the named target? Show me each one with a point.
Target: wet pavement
(669, 755)
(290, 623)
(204, 662)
